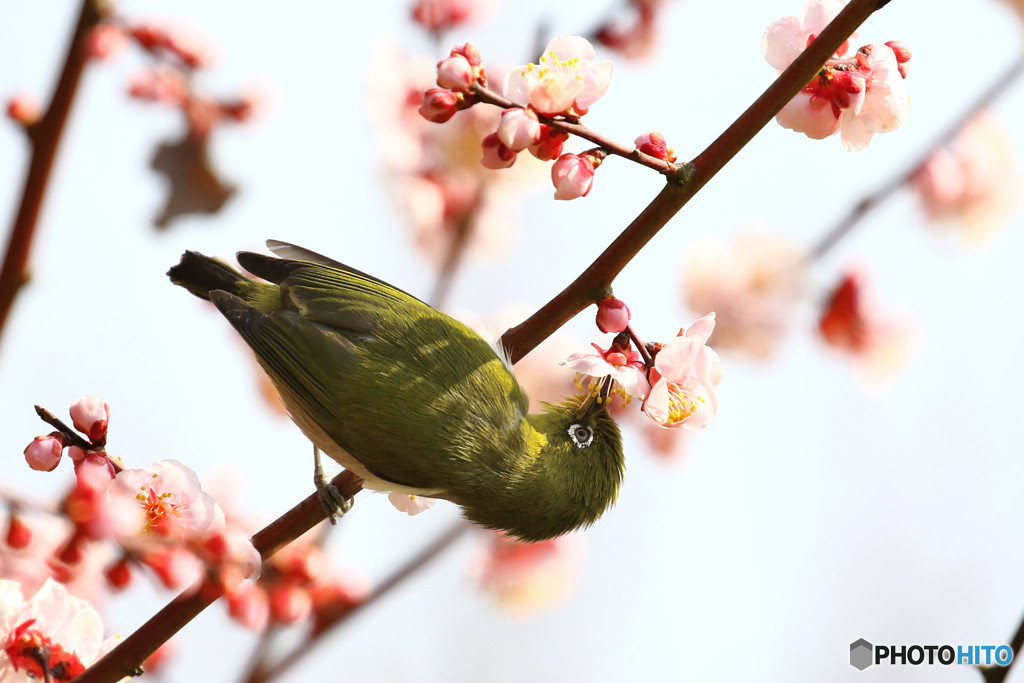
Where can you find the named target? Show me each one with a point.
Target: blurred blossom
(855, 95)
(24, 108)
(435, 170)
(106, 41)
(437, 16)
(752, 284)
(409, 504)
(524, 578)
(633, 33)
(973, 183)
(853, 322)
(182, 42)
(31, 564)
(52, 628)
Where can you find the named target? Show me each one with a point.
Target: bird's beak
(601, 398)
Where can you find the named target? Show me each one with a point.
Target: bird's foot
(335, 504)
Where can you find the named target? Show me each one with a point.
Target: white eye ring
(581, 435)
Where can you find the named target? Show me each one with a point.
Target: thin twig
(595, 282)
(71, 437)
(999, 86)
(407, 569)
(44, 137)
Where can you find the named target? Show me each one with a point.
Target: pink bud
(18, 533)
(612, 315)
(119, 574)
(654, 144)
(519, 128)
(470, 52)
(248, 605)
(455, 73)
(25, 109)
(496, 154)
(549, 144)
(90, 416)
(43, 454)
(441, 15)
(439, 105)
(289, 603)
(572, 175)
(902, 55)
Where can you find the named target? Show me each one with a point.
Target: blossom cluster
(565, 82)
(856, 95)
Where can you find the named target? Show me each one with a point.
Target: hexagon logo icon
(861, 652)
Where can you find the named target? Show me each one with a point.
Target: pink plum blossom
(91, 416)
(519, 129)
(620, 362)
(410, 505)
(572, 176)
(442, 15)
(568, 79)
(857, 95)
(164, 501)
(65, 629)
(685, 374)
(105, 41)
(44, 453)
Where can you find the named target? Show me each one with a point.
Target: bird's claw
(335, 504)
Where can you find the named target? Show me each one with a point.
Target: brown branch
(596, 280)
(44, 138)
(862, 208)
(411, 566)
(126, 659)
(576, 128)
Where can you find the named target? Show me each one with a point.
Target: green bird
(410, 399)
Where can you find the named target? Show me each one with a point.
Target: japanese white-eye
(410, 399)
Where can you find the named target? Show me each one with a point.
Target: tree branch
(44, 138)
(596, 280)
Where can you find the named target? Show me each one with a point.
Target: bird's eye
(581, 435)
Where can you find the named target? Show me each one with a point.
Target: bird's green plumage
(418, 401)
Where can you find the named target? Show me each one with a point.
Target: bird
(410, 399)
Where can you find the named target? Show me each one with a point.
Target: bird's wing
(411, 393)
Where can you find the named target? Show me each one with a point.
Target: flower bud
(470, 52)
(105, 41)
(439, 105)
(90, 416)
(612, 315)
(18, 533)
(572, 176)
(119, 574)
(248, 605)
(289, 603)
(519, 128)
(43, 454)
(455, 73)
(496, 154)
(549, 143)
(654, 144)
(24, 109)
(441, 15)
(902, 55)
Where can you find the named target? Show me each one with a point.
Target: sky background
(814, 511)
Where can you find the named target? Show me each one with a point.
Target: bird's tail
(201, 275)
